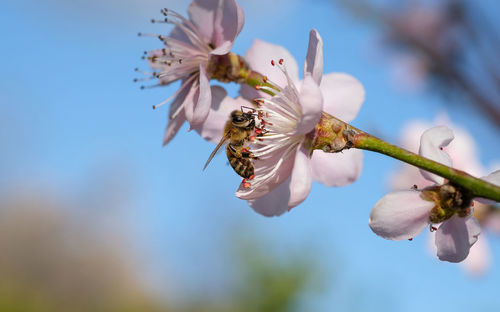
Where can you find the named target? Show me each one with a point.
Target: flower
(210, 31)
(446, 208)
(463, 151)
(285, 168)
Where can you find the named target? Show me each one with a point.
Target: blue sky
(69, 111)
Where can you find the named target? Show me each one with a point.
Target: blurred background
(96, 216)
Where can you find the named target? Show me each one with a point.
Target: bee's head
(241, 119)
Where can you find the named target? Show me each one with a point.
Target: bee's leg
(241, 152)
(235, 151)
(245, 153)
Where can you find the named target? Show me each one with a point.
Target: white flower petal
(311, 102)
(301, 178)
(337, 169)
(273, 203)
(289, 193)
(493, 178)
(342, 95)
(173, 127)
(222, 106)
(455, 236)
(201, 106)
(314, 59)
(431, 144)
(229, 21)
(259, 58)
(400, 215)
(282, 173)
(202, 14)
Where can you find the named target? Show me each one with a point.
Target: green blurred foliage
(50, 261)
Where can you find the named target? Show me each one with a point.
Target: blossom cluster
(272, 129)
(285, 166)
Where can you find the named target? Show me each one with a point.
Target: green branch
(478, 187)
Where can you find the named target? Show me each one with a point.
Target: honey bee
(237, 132)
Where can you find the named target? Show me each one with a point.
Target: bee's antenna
(250, 108)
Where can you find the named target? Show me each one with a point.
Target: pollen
(245, 183)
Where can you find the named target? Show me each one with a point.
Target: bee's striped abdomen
(242, 166)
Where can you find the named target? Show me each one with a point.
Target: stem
(478, 187)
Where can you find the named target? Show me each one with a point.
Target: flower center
(185, 49)
(450, 200)
(277, 119)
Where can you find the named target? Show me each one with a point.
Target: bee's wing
(222, 141)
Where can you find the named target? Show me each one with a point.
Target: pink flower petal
(431, 144)
(202, 14)
(175, 122)
(337, 169)
(311, 102)
(455, 236)
(180, 35)
(283, 172)
(259, 58)
(189, 102)
(301, 178)
(493, 178)
(201, 107)
(229, 21)
(342, 95)
(289, 193)
(222, 106)
(173, 127)
(273, 203)
(400, 215)
(314, 59)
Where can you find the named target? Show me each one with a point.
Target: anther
(281, 61)
(410, 239)
(246, 184)
(264, 79)
(433, 228)
(257, 87)
(441, 148)
(415, 187)
(251, 177)
(154, 107)
(272, 62)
